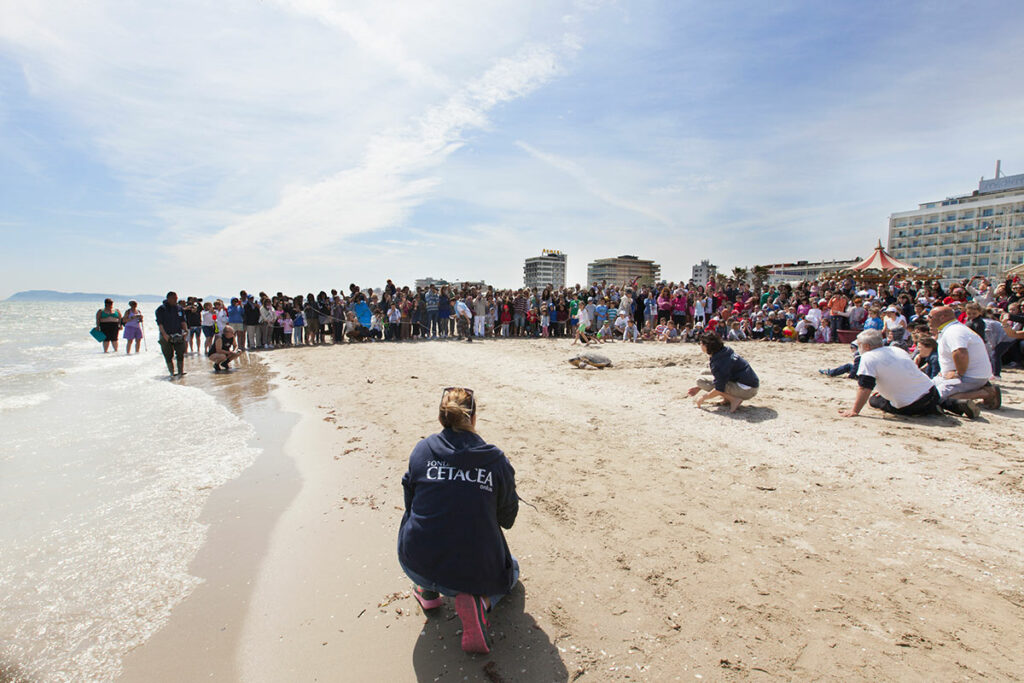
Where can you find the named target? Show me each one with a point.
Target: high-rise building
(704, 272)
(546, 269)
(981, 233)
(623, 269)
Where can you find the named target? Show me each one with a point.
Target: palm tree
(739, 274)
(760, 275)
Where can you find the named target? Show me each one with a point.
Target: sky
(297, 145)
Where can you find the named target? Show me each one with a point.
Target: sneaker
(428, 599)
(470, 609)
(996, 400)
(823, 372)
(971, 409)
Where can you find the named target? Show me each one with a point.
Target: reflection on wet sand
(248, 382)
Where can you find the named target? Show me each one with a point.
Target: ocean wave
(9, 403)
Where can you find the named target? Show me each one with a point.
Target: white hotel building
(977, 234)
(546, 269)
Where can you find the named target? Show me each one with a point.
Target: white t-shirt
(897, 377)
(958, 336)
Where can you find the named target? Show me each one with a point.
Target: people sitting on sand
(630, 333)
(224, 349)
(733, 380)
(848, 369)
(927, 356)
(889, 381)
(605, 333)
(670, 334)
(460, 492)
(964, 367)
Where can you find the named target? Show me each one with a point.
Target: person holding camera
(173, 332)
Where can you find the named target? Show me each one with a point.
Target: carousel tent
(881, 260)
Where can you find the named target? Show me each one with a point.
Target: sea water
(105, 466)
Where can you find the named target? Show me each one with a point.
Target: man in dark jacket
(734, 380)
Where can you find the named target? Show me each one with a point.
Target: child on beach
(927, 357)
(286, 328)
(298, 326)
(506, 319)
(605, 334)
(631, 333)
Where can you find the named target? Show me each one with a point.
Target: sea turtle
(592, 359)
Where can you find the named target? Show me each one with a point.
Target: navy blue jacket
(171, 317)
(459, 492)
(728, 366)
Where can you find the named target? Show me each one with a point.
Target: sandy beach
(667, 542)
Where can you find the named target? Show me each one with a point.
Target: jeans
(837, 322)
(429, 585)
(997, 356)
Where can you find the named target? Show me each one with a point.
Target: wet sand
(668, 542)
(200, 639)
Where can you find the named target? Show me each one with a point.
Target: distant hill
(50, 295)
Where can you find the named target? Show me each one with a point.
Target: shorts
(110, 330)
(194, 331)
(208, 331)
(132, 332)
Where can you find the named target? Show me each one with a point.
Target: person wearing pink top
(680, 306)
(664, 306)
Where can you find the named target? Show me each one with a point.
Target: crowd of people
(806, 312)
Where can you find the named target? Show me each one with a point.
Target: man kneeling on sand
(898, 384)
(734, 380)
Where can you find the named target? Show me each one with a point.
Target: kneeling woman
(460, 492)
(223, 349)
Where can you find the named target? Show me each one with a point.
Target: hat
(892, 309)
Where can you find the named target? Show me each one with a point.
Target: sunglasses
(472, 398)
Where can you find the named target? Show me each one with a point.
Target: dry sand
(668, 542)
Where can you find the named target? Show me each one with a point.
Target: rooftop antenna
(999, 162)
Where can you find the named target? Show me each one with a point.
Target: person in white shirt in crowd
(631, 333)
(982, 294)
(888, 380)
(464, 318)
(621, 321)
(895, 325)
(964, 367)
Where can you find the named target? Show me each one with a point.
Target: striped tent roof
(881, 260)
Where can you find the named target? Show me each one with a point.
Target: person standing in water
(460, 492)
(108, 320)
(132, 321)
(173, 332)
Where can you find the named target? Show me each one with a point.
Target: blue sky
(305, 144)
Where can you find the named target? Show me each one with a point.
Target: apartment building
(622, 269)
(546, 269)
(981, 233)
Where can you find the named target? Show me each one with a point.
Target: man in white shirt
(464, 318)
(898, 384)
(964, 367)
